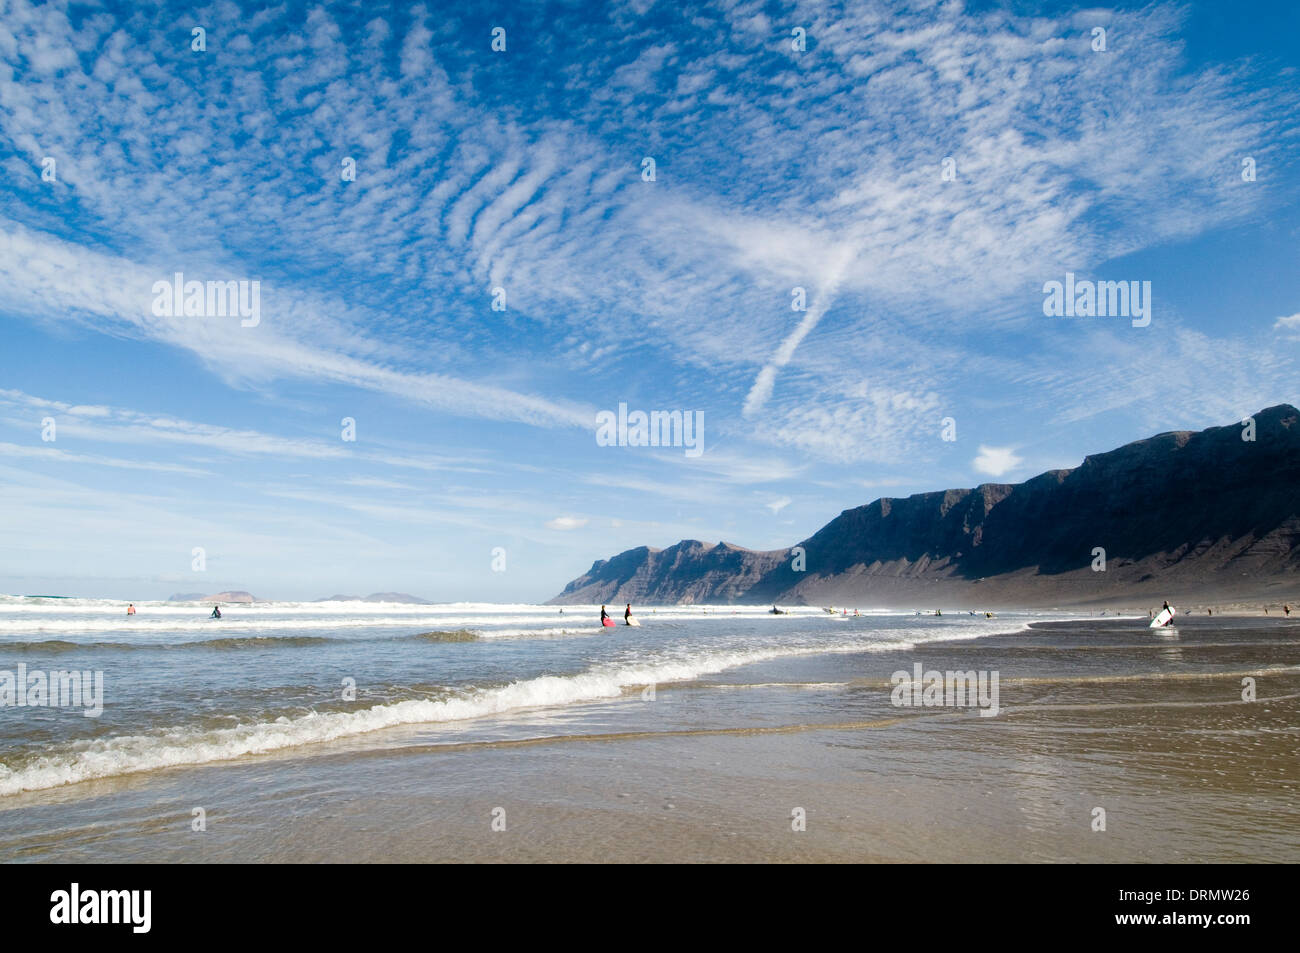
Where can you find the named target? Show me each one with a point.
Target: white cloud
(862, 422)
(566, 522)
(377, 483)
(54, 454)
(777, 505)
(726, 467)
(125, 426)
(996, 461)
(551, 207)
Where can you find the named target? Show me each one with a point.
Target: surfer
(130, 610)
(216, 613)
(627, 614)
(603, 615)
(1286, 609)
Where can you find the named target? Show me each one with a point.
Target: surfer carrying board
(1165, 617)
(627, 614)
(603, 615)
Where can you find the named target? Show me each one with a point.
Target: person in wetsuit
(216, 613)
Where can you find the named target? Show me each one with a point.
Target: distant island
(380, 597)
(236, 595)
(1182, 515)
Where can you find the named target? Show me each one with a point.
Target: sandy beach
(1149, 726)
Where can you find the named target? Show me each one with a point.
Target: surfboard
(609, 622)
(632, 620)
(1164, 618)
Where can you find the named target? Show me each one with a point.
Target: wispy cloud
(126, 426)
(63, 456)
(515, 181)
(833, 182)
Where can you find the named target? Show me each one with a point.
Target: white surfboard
(1165, 616)
(632, 620)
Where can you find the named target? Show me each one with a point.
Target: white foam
(26, 605)
(575, 631)
(95, 616)
(170, 747)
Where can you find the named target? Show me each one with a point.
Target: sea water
(180, 688)
(362, 731)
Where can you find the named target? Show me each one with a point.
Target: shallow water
(693, 737)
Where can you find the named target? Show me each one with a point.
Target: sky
(835, 259)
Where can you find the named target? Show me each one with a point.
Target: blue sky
(522, 170)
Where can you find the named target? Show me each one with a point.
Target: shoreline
(714, 768)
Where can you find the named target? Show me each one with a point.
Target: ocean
(469, 732)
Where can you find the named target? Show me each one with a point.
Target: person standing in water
(627, 614)
(603, 615)
(130, 610)
(216, 613)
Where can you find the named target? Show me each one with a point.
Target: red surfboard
(608, 622)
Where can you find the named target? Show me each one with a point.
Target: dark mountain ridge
(1199, 511)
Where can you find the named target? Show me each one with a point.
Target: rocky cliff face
(1180, 512)
(690, 571)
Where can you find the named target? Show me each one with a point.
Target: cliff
(1184, 514)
